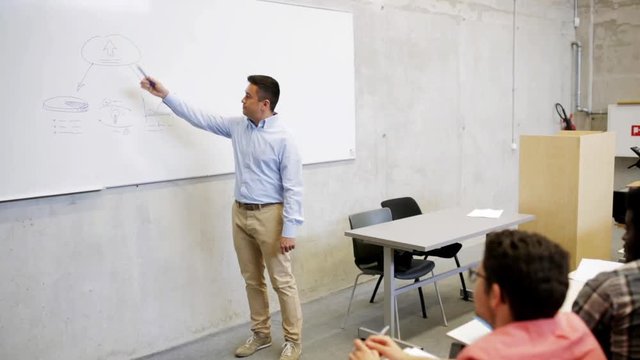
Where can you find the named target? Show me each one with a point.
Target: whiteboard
(74, 118)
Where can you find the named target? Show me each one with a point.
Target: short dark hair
(268, 89)
(531, 270)
(632, 246)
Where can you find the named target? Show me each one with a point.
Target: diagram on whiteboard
(65, 104)
(104, 93)
(115, 114)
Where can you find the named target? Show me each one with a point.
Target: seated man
(520, 285)
(610, 303)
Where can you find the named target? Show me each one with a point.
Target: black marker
(152, 83)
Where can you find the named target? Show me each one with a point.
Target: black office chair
(369, 259)
(405, 207)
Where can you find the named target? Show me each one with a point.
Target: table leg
(389, 292)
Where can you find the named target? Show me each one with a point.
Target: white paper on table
(413, 351)
(469, 332)
(486, 213)
(589, 268)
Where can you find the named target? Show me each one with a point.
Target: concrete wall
(615, 38)
(610, 34)
(130, 271)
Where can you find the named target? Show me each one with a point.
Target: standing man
(268, 204)
(519, 288)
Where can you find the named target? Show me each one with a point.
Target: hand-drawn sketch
(156, 119)
(65, 104)
(68, 127)
(110, 51)
(114, 113)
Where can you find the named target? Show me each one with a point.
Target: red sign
(635, 130)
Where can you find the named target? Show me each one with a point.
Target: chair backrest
(402, 207)
(371, 217)
(368, 254)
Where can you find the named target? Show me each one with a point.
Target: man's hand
(287, 244)
(386, 347)
(154, 86)
(362, 352)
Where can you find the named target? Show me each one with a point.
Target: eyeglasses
(475, 274)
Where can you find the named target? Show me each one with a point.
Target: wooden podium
(566, 181)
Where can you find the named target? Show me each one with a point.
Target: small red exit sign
(635, 130)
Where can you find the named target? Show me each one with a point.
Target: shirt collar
(265, 123)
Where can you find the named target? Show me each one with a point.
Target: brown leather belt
(253, 207)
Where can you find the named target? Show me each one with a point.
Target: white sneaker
(290, 351)
(254, 343)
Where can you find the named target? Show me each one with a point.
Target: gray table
(426, 232)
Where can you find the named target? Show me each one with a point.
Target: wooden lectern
(566, 181)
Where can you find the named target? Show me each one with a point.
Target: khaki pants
(256, 238)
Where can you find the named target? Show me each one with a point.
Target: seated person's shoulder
(613, 286)
(608, 279)
(632, 267)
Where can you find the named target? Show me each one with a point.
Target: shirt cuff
(169, 100)
(289, 230)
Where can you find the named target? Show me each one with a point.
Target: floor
(323, 336)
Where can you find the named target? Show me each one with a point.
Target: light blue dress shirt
(267, 163)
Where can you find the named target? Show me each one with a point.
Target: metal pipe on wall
(576, 47)
(591, 51)
(513, 80)
(577, 56)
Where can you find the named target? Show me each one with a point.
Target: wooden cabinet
(566, 181)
